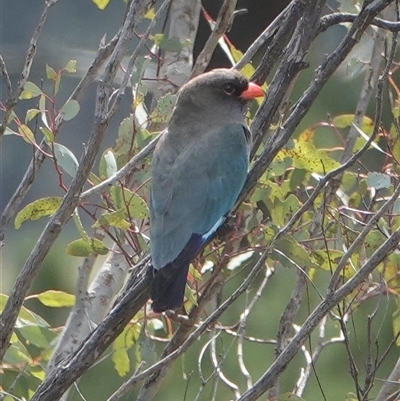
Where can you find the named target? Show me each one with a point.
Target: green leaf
(168, 44)
(141, 65)
(17, 354)
(9, 131)
(288, 249)
(48, 135)
(57, 84)
(55, 299)
(70, 110)
(25, 313)
(396, 207)
(133, 205)
(124, 143)
(282, 211)
(101, 4)
(50, 72)
(37, 209)
(71, 66)
(113, 219)
(248, 70)
(347, 120)
(33, 334)
(373, 240)
(137, 207)
(65, 159)
(163, 110)
(121, 345)
(351, 397)
(30, 90)
(79, 225)
(378, 180)
(31, 114)
(108, 164)
(83, 247)
(278, 167)
(26, 133)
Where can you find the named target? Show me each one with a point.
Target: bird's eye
(229, 89)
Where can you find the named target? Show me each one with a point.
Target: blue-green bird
(199, 168)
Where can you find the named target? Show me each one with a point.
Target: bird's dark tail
(166, 293)
(168, 287)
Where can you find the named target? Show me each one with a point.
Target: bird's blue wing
(192, 193)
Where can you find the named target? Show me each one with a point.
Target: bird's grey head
(215, 94)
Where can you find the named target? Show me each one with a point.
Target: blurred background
(73, 31)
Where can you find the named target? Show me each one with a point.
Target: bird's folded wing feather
(191, 194)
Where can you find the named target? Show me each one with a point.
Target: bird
(199, 167)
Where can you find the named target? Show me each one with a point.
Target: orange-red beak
(252, 91)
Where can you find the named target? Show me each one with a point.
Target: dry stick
(78, 324)
(340, 18)
(311, 359)
(391, 384)
(174, 67)
(269, 31)
(71, 199)
(305, 33)
(6, 76)
(294, 52)
(222, 24)
(242, 327)
(30, 55)
(24, 186)
(278, 45)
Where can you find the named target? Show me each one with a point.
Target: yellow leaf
(114, 219)
(37, 209)
(26, 133)
(150, 14)
(346, 120)
(307, 157)
(101, 4)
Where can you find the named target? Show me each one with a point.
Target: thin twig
(222, 24)
(26, 69)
